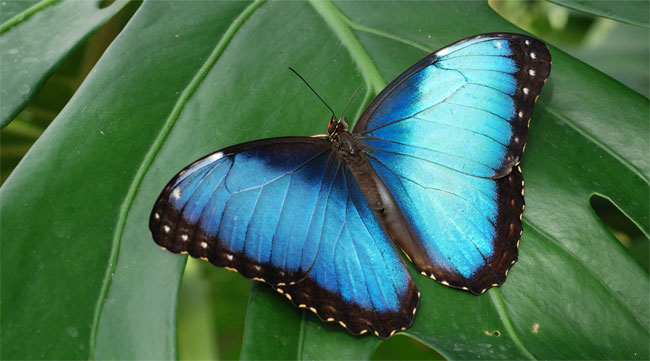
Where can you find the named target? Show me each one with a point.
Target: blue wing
(446, 137)
(287, 212)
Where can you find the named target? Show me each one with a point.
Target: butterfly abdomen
(350, 150)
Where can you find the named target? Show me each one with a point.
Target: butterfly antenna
(350, 100)
(312, 89)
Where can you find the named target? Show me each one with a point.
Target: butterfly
(431, 168)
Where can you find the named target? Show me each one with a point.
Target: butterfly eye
(331, 126)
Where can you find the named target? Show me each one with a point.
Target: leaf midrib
(154, 149)
(25, 14)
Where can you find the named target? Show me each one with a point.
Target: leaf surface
(78, 259)
(35, 37)
(635, 12)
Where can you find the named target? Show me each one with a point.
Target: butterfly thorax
(350, 150)
(341, 139)
(346, 144)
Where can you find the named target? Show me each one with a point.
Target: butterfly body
(431, 168)
(349, 148)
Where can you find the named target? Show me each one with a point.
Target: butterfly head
(337, 133)
(336, 127)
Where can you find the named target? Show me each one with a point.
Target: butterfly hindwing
(445, 137)
(360, 263)
(286, 211)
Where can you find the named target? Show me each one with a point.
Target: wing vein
(431, 188)
(313, 211)
(416, 113)
(481, 109)
(428, 160)
(248, 226)
(347, 197)
(472, 44)
(275, 232)
(221, 181)
(329, 192)
(281, 175)
(461, 128)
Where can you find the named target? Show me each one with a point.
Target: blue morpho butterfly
(432, 164)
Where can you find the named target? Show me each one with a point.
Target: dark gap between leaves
(622, 228)
(102, 4)
(400, 347)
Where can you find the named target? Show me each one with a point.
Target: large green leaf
(82, 278)
(636, 12)
(35, 37)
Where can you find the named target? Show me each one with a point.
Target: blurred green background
(213, 301)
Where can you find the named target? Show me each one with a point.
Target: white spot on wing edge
(532, 72)
(213, 157)
(166, 228)
(156, 216)
(184, 237)
(204, 245)
(525, 91)
(176, 193)
(442, 52)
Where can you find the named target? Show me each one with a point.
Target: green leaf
(81, 277)
(635, 12)
(35, 38)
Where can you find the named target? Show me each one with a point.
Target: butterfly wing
(445, 137)
(286, 211)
